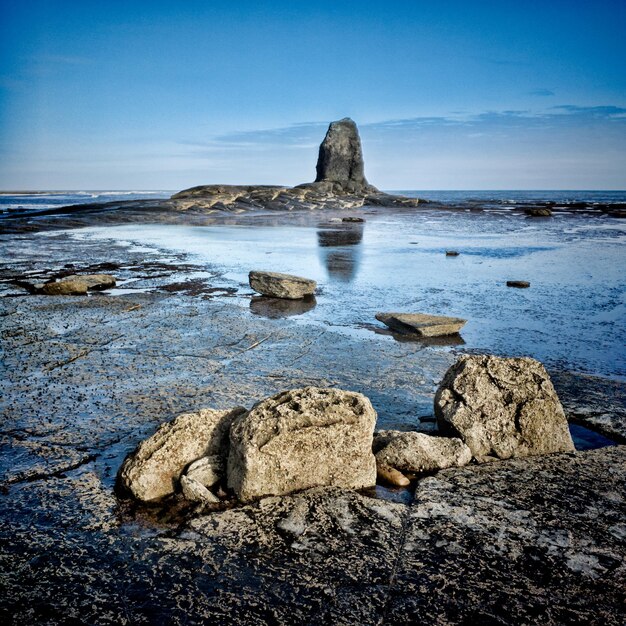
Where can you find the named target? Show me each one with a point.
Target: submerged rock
(303, 438)
(422, 324)
(78, 285)
(276, 285)
(417, 452)
(502, 407)
(153, 470)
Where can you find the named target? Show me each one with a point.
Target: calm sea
(497, 200)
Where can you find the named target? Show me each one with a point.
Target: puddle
(586, 439)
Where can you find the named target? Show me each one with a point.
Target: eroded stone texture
(277, 285)
(422, 324)
(502, 407)
(153, 470)
(78, 285)
(302, 438)
(417, 452)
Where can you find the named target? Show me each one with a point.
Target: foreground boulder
(276, 285)
(502, 407)
(154, 469)
(303, 438)
(422, 324)
(78, 285)
(417, 452)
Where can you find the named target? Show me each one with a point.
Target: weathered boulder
(502, 407)
(153, 470)
(277, 285)
(340, 157)
(422, 324)
(78, 285)
(417, 452)
(302, 438)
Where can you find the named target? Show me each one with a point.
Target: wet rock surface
(502, 407)
(84, 380)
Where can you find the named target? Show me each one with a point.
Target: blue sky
(448, 95)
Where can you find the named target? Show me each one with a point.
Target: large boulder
(303, 438)
(417, 452)
(502, 407)
(422, 324)
(277, 285)
(340, 157)
(77, 285)
(154, 469)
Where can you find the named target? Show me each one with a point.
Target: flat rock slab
(422, 324)
(300, 439)
(277, 285)
(78, 285)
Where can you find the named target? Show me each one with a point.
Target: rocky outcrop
(154, 469)
(302, 438)
(340, 184)
(276, 285)
(502, 407)
(77, 285)
(422, 324)
(417, 453)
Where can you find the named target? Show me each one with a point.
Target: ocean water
(490, 200)
(40, 200)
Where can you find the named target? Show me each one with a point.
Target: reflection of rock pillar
(340, 250)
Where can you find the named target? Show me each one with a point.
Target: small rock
(358, 220)
(502, 407)
(78, 285)
(300, 439)
(196, 491)
(417, 452)
(452, 253)
(391, 475)
(278, 285)
(208, 470)
(153, 470)
(520, 284)
(538, 212)
(422, 324)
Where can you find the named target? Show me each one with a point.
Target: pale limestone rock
(417, 452)
(502, 407)
(196, 491)
(277, 285)
(153, 470)
(422, 324)
(78, 285)
(302, 438)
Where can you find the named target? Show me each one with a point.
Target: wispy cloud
(596, 112)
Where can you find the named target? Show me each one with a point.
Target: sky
(447, 95)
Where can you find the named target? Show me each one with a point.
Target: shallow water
(572, 316)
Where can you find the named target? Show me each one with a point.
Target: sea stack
(340, 157)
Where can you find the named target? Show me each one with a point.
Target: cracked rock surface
(502, 407)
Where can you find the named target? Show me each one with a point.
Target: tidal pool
(572, 316)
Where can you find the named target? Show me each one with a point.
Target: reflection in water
(339, 249)
(280, 307)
